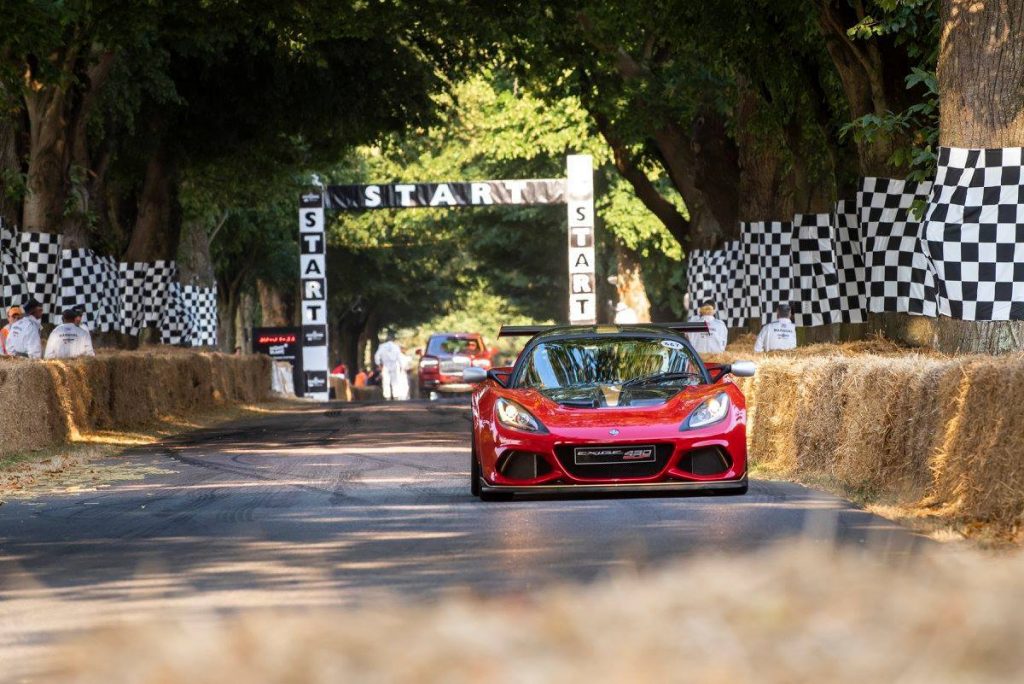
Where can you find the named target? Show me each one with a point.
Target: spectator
(717, 336)
(24, 338)
(625, 315)
(361, 377)
(340, 370)
(392, 363)
(69, 340)
(372, 376)
(13, 314)
(779, 334)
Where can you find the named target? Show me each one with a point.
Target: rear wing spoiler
(531, 330)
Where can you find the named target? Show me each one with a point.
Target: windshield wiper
(660, 377)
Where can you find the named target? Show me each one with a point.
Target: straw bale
(46, 403)
(789, 614)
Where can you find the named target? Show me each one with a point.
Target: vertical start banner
(579, 198)
(313, 281)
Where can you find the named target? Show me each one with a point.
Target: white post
(579, 196)
(313, 279)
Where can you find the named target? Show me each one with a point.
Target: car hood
(591, 406)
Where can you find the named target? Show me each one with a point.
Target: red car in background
(445, 357)
(608, 407)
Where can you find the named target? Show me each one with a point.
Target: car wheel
(474, 473)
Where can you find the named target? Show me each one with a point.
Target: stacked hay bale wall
(46, 403)
(939, 435)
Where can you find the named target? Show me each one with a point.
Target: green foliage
(913, 24)
(417, 265)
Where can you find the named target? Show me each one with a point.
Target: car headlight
(511, 414)
(709, 412)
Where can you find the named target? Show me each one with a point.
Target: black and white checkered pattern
(720, 275)
(132, 282)
(815, 285)
(202, 301)
(974, 233)
(90, 281)
(161, 290)
(39, 254)
(850, 263)
(697, 279)
(177, 319)
(900, 275)
(14, 292)
(775, 244)
(750, 246)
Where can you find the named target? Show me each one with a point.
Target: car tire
(474, 473)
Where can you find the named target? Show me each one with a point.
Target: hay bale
(791, 614)
(47, 403)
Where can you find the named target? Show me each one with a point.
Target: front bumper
(624, 486)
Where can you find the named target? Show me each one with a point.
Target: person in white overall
(392, 363)
(714, 340)
(778, 335)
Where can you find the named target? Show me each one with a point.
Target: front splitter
(623, 487)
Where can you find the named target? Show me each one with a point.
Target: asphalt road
(314, 507)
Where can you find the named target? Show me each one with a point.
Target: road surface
(319, 507)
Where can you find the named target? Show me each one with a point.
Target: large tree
(981, 91)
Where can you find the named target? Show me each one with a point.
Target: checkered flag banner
(774, 265)
(39, 254)
(720, 275)
(176, 320)
(974, 233)
(750, 246)
(849, 263)
(900, 276)
(131, 278)
(697, 278)
(14, 291)
(202, 302)
(90, 281)
(815, 285)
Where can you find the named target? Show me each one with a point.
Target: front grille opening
(705, 461)
(523, 465)
(613, 471)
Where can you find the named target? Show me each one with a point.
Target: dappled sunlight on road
(253, 516)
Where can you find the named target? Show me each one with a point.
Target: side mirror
(473, 375)
(743, 369)
(499, 376)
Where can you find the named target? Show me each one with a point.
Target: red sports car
(593, 408)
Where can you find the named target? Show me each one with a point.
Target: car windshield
(454, 345)
(608, 361)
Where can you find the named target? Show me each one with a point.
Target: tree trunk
(10, 166)
(155, 235)
(981, 104)
(227, 312)
(48, 160)
(630, 284)
(273, 305)
(765, 191)
(195, 266)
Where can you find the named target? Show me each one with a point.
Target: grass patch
(98, 459)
